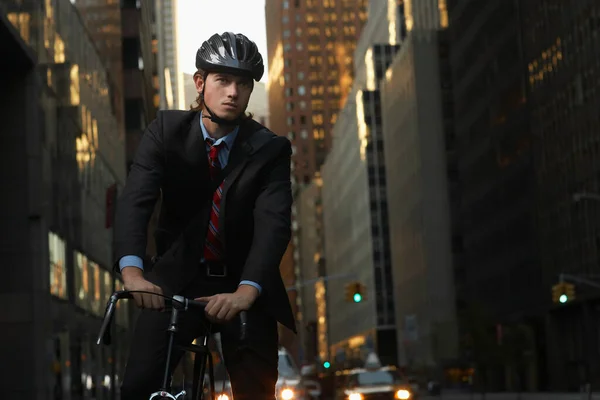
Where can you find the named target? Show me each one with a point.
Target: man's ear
(199, 82)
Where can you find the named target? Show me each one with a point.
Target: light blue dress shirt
(227, 140)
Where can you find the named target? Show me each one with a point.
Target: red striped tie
(213, 248)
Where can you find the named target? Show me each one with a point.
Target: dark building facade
(61, 151)
(563, 79)
(502, 293)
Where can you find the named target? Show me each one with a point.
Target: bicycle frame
(178, 304)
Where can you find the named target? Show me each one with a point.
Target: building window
(286, 4)
(289, 106)
(82, 282)
(304, 134)
(285, 19)
(58, 268)
(299, 46)
(302, 105)
(291, 135)
(301, 90)
(121, 316)
(303, 120)
(300, 76)
(286, 33)
(290, 121)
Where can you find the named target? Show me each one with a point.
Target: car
(290, 383)
(373, 383)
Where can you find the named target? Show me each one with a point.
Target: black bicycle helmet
(230, 53)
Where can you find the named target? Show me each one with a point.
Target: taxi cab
(373, 382)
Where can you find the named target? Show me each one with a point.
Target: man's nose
(233, 90)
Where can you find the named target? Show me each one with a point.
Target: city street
(514, 396)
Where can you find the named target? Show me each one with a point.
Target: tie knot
(211, 142)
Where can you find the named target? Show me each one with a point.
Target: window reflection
(21, 22)
(58, 273)
(74, 87)
(95, 288)
(82, 284)
(122, 317)
(59, 49)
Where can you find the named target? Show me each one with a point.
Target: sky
(197, 20)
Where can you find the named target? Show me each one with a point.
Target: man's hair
(198, 105)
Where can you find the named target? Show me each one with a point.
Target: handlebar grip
(197, 303)
(104, 335)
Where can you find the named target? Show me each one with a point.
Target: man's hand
(224, 307)
(133, 279)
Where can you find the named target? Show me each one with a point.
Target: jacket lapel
(238, 159)
(196, 150)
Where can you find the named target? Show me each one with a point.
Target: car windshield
(286, 367)
(369, 378)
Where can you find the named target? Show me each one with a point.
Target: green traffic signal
(563, 298)
(357, 297)
(326, 364)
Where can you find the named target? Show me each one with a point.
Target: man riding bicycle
(225, 222)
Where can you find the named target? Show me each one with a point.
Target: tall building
(61, 151)
(313, 332)
(503, 285)
(417, 121)
(103, 20)
(310, 46)
(259, 103)
(139, 70)
(171, 85)
(355, 206)
(189, 89)
(563, 96)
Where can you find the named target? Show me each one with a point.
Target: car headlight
(287, 394)
(403, 394)
(355, 396)
(222, 397)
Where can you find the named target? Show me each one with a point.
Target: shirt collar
(228, 139)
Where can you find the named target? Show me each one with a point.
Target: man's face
(225, 94)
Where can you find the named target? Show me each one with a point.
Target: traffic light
(355, 292)
(557, 291)
(349, 292)
(569, 292)
(563, 292)
(326, 364)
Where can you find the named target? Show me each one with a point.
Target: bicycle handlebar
(178, 302)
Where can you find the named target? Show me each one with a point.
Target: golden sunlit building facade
(310, 46)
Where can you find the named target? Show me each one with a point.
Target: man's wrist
(131, 272)
(248, 291)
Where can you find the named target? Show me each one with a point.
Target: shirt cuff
(131, 261)
(254, 284)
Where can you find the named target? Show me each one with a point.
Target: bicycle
(203, 357)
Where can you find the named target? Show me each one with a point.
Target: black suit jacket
(255, 212)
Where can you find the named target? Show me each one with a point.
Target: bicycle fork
(202, 355)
